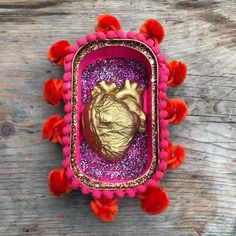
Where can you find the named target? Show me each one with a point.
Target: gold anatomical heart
(112, 118)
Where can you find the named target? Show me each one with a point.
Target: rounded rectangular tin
(81, 53)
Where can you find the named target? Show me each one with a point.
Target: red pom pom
(152, 29)
(177, 111)
(53, 92)
(170, 149)
(105, 209)
(178, 73)
(176, 158)
(154, 201)
(107, 23)
(52, 129)
(57, 182)
(57, 52)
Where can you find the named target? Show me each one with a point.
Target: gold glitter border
(148, 53)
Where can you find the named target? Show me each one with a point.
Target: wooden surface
(202, 191)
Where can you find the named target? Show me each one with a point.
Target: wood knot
(6, 129)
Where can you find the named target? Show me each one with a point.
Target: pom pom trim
(163, 77)
(154, 200)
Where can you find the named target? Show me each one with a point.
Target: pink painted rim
(164, 134)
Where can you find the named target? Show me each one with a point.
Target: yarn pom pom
(177, 111)
(52, 129)
(57, 52)
(177, 73)
(57, 182)
(176, 158)
(105, 209)
(154, 201)
(52, 91)
(170, 149)
(107, 23)
(152, 29)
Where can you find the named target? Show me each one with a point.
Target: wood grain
(202, 191)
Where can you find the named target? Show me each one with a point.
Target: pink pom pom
(156, 50)
(165, 134)
(150, 42)
(130, 192)
(69, 173)
(131, 35)
(152, 183)
(67, 96)
(67, 118)
(141, 188)
(68, 107)
(165, 70)
(161, 58)
(164, 144)
(66, 86)
(121, 34)
(111, 34)
(162, 95)
(163, 78)
(72, 49)
(91, 37)
(163, 87)
(164, 123)
(163, 155)
(67, 76)
(159, 175)
(66, 162)
(141, 38)
(66, 130)
(120, 193)
(67, 67)
(162, 65)
(162, 166)
(101, 36)
(163, 104)
(163, 114)
(66, 151)
(108, 194)
(66, 140)
(75, 183)
(96, 194)
(85, 190)
(69, 57)
(81, 41)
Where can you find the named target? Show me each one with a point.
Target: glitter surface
(133, 164)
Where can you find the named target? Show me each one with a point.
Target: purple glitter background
(133, 164)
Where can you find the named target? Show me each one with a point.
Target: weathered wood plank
(202, 191)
